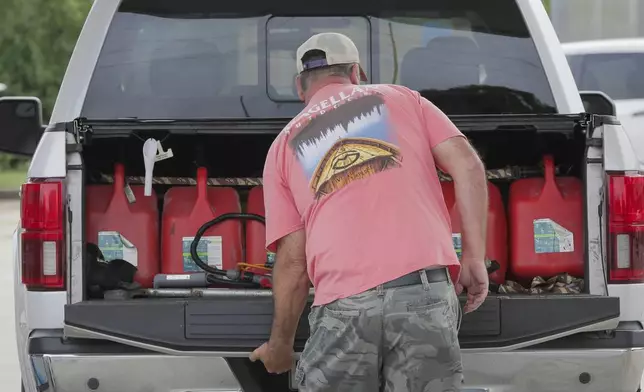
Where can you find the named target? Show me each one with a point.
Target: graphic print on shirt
(351, 142)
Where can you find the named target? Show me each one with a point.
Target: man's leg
(421, 351)
(342, 353)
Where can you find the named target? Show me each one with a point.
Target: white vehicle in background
(615, 67)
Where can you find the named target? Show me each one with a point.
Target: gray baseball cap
(339, 49)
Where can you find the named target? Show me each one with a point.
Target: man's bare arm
(290, 287)
(457, 157)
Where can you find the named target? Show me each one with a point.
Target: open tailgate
(237, 326)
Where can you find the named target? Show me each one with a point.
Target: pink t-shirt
(355, 170)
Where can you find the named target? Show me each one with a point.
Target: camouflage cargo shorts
(388, 340)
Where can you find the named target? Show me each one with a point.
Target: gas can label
(209, 250)
(550, 237)
(458, 244)
(178, 277)
(116, 246)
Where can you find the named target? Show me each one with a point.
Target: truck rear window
(188, 59)
(617, 74)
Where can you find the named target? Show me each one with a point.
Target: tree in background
(36, 40)
(546, 3)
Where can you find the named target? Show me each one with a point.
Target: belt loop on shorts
(423, 278)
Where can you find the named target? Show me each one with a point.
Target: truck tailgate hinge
(71, 148)
(82, 132)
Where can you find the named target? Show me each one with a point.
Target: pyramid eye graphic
(352, 159)
(345, 159)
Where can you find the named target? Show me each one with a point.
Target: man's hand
(473, 278)
(290, 291)
(459, 159)
(277, 358)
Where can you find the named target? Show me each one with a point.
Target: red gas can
(256, 252)
(124, 230)
(185, 210)
(546, 225)
(496, 246)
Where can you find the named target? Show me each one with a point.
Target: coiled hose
(216, 275)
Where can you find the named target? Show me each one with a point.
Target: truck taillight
(42, 238)
(626, 228)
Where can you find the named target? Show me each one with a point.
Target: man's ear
(300, 89)
(354, 76)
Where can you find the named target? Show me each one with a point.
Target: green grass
(12, 179)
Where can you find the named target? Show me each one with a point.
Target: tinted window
(475, 60)
(203, 59)
(617, 74)
(285, 34)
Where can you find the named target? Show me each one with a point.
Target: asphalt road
(9, 371)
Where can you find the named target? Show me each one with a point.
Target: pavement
(9, 370)
(9, 194)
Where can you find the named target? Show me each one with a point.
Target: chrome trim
(81, 333)
(555, 370)
(41, 374)
(518, 371)
(158, 373)
(51, 382)
(606, 325)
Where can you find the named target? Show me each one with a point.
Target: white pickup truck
(214, 82)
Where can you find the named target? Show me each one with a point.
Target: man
(353, 198)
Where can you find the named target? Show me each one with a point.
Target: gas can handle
(549, 168)
(202, 183)
(550, 182)
(119, 178)
(119, 198)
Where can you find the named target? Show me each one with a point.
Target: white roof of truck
(605, 46)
